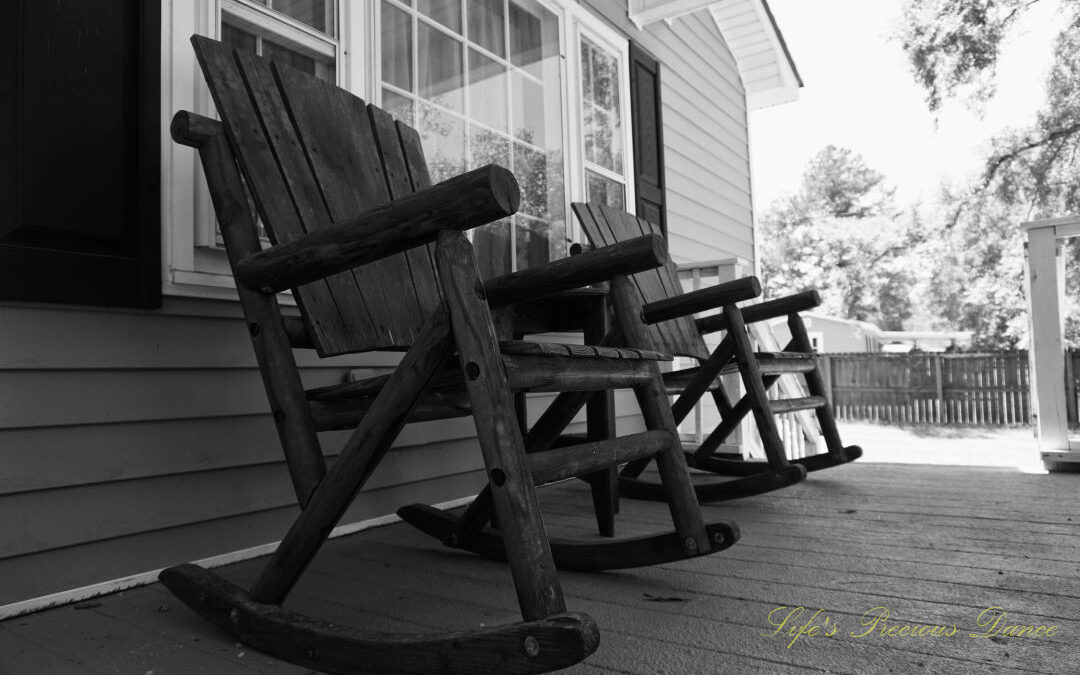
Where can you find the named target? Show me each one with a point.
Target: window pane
(236, 37)
(446, 12)
(288, 57)
(492, 245)
(401, 107)
(604, 190)
(443, 138)
(396, 47)
(534, 36)
(530, 169)
(530, 109)
(601, 114)
(487, 91)
(486, 25)
(487, 147)
(533, 239)
(440, 58)
(319, 14)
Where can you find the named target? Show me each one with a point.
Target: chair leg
(652, 398)
(755, 388)
(838, 454)
(365, 448)
(513, 493)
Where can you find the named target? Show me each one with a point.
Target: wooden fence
(956, 389)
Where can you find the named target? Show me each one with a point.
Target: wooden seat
(377, 259)
(671, 326)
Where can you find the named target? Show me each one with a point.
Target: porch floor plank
(933, 544)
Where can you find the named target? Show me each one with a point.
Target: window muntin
(484, 84)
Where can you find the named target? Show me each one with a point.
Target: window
(601, 117)
(482, 83)
(537, 86)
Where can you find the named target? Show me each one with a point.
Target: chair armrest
(770, 309)
(589, 267)
(472, 199)
(702, 300)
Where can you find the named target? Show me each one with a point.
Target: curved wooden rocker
(377, 259)
(669, 313)
(561, 639)
(573, 554)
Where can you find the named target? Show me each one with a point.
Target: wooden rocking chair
(344, 193)
(678, 332)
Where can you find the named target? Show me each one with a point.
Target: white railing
(1046, 301)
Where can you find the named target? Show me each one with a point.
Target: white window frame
(193, 265)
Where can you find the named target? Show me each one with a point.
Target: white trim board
(144, 578)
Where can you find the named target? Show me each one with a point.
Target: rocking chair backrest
(313, 154)
(605, 226)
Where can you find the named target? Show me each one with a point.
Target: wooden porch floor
(933, 544)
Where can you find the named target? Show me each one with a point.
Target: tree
(953, 47)
(842, 235)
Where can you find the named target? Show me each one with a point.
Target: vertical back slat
(607, 226)
(308, 210)
(399, 182)
(336, 133)
(268, 186)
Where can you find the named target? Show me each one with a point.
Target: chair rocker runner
(671, 324)
(344, 193)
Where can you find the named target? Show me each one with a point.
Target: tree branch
(996, 162)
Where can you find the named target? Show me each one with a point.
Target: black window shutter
(648, 131)
(79, 156)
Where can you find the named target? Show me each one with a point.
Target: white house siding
(134, 440)
(706, 152)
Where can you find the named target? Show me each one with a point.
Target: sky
(859, 93)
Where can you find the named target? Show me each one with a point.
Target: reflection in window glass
(401, 107)
(441, 68)
(487, 26)
(319, 14)
(443, 136)
(602, 120)
(239, 38)
(446, 12)
(530, 110)
(489, 91)
(528, 46)
(604, 190)
(397, 49)
(289, 57)
(487, 147)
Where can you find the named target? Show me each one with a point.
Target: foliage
(953, 47)
(842, 235)
(976, 276)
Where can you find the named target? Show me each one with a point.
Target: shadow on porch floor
(935, 545)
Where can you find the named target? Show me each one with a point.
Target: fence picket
(951, 389)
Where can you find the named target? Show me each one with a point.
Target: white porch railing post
(1046, 300)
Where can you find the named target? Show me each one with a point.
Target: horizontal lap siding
(134, 440)
(706, 151)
